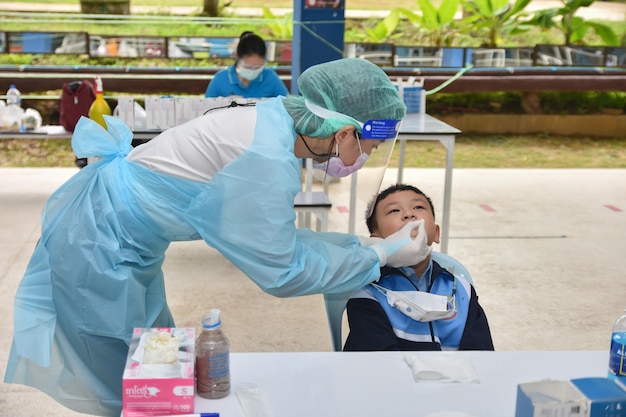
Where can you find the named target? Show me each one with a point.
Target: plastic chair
(336, 303)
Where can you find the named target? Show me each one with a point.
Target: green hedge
(511, 102)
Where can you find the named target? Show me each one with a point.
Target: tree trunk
(531, 102)
(105, 7)
(211, 8)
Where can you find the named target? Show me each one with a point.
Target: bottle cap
(99, 85)
(212, 320)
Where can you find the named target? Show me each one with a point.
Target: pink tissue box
(150, 388)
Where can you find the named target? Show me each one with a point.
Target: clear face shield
(378, 139)
(376, 143)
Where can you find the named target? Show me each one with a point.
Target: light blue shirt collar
(422, 283)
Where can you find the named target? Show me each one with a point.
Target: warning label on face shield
(381, 129)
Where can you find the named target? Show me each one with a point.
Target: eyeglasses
(245, 65)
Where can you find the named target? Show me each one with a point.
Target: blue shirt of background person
(248, 77)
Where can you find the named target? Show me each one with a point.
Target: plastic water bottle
(212, 358)
(14, 112)
(617, 358)
(14, 96)
(99, 107)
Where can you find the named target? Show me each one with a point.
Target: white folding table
(375, 384)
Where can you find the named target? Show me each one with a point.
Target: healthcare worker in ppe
(230, 178)
(248, 77)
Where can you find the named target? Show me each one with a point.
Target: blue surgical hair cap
(354, 87)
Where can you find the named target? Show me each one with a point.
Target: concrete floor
(546, 250)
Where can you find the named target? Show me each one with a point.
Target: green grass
(537, 151)
(470, 152)
(36, 153)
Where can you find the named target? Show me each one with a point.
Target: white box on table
(168, 112)
(188, 108)
(160, 113)
(550, 398)
(584, 397)
(155, 388)
(126, 111)
(153, 113)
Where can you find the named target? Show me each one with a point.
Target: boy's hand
(407, 247)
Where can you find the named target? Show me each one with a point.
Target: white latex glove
(369, 241)
(401, 249)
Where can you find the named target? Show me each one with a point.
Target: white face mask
(420, 306)
(249, 74)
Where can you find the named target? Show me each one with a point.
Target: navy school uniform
(377, 326)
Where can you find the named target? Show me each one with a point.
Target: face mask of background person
(251, 52)
(400, 207)
(247, 71)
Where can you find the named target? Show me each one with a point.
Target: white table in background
(44, 132)
(421, 127)
(375, 384)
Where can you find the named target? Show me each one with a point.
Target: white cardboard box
(582, 397)
(160, 113)
(188, 108)
(549, 398)
(126, 111)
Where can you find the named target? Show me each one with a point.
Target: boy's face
(401, 207)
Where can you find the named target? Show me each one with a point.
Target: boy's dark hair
(370, 220)
(251, 44)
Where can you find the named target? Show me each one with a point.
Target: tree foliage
(495, 17)
(437, 23)
(573, 27)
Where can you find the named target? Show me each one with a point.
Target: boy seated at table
(376, 325)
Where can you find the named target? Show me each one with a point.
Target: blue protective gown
(96, 272)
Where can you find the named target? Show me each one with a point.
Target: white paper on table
(252, 401)
(442, 368)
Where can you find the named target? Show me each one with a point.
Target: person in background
(228, 177)
(376, 325)
(248, 77)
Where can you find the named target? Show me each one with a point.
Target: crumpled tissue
(444, 368)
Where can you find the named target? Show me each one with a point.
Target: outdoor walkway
(545, 249)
